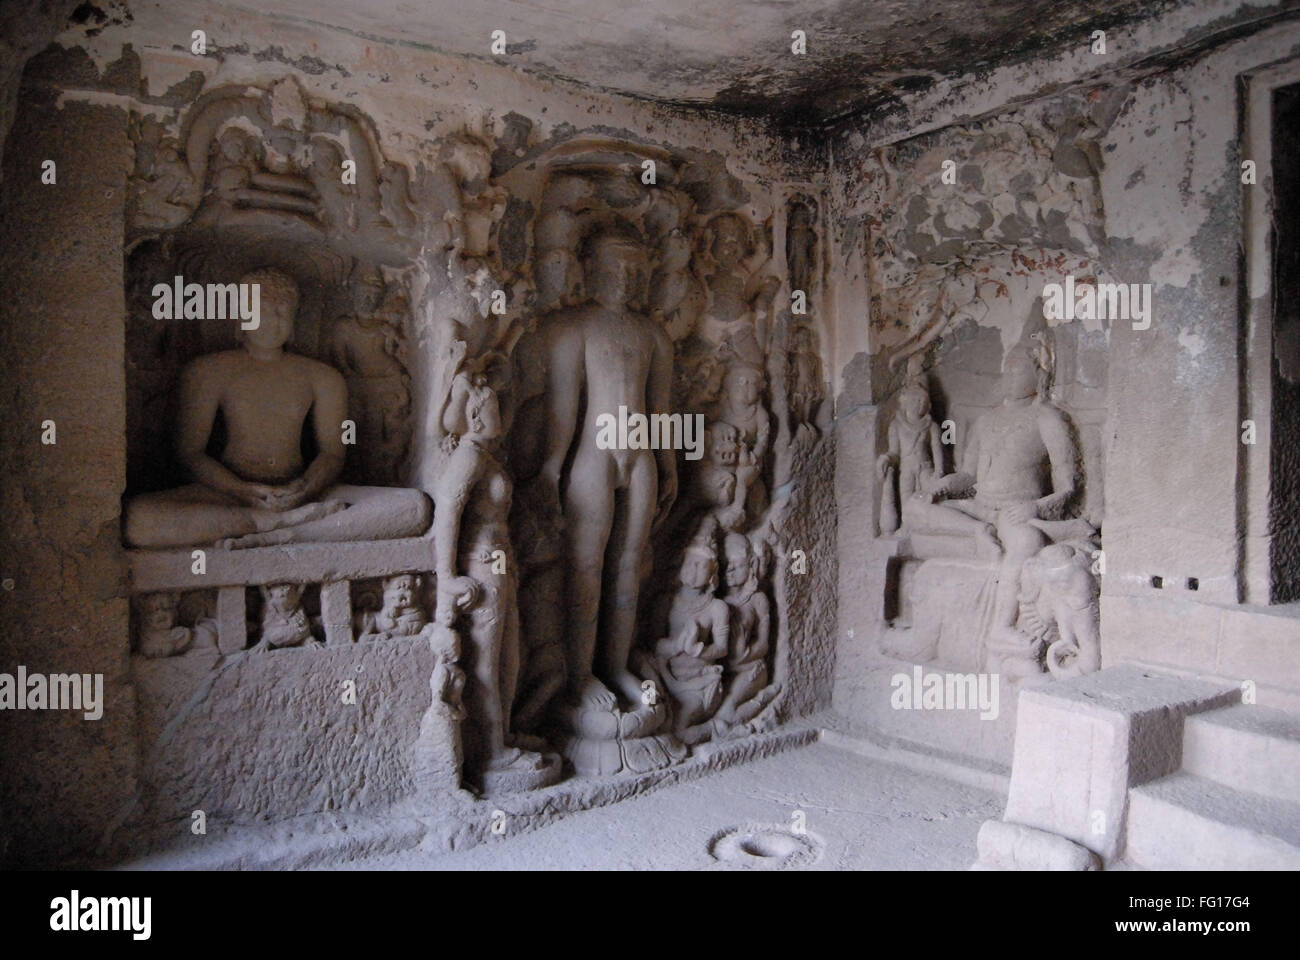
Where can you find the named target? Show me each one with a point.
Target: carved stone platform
(333, 565)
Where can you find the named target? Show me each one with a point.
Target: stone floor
(860, 814)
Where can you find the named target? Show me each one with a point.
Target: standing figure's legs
(588, 514)
(627, 557)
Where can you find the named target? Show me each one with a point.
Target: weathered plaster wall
(1179, 477)
(1134, 179)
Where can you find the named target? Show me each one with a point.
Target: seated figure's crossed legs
(195, 515)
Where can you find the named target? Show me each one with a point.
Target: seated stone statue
(747, 692)
(1019, 464)
(258, 491)
(698, 638)
(284, 622)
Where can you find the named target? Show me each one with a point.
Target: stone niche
(514, 484)
(950, 426)
(985, 458)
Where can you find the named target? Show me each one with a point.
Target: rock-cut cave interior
(823, 435)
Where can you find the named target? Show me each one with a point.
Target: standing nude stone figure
(257, 491)
(608, 355)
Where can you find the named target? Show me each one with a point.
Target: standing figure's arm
(565, 375)
(762, 626)
(763, 434)
(461, 471)
(659, 395)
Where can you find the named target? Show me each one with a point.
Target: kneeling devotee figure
(257, 491)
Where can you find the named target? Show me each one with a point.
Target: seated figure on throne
(1019, 468)
(257, 491)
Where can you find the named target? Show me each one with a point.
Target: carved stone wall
(429, 276)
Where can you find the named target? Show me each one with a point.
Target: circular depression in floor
(764, 846)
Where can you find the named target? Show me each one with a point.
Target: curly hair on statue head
(273, 282)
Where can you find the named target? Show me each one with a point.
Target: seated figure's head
(1019, 375)
(914, 401)
(400, 592)
(739, 557)
(700, 566)
(277, 305)
(368, 289)
(283, 598)
(157, 611)
(723, 441)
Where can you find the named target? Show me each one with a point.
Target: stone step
(1186, 822)
(1246, 747)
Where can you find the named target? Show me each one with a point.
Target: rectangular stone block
(1081, 744)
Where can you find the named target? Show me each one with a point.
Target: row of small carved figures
(284, 622)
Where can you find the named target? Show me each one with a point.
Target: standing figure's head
(616, 270)
(277, 305)
(743, 384)
(731, 240)
(674, 252)
(479, 417)
(559, 279)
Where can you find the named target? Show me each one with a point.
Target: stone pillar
(336, 611)
(66, 782)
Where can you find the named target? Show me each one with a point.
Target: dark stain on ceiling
(735, 55)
